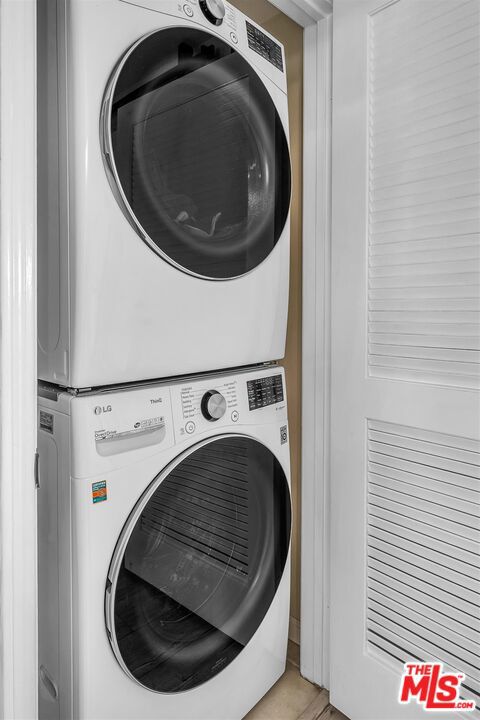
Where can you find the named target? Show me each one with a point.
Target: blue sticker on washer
(99, 491)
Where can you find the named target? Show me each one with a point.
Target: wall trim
(304, 12)
(315, 17)
(314, 650)
(18, 361)
(316, 9)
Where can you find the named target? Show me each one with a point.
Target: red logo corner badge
(430, 686)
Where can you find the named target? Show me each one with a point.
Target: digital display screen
(264, 46)
(264, 392)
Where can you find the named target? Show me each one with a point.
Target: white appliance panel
(111, 310)
(75, 649)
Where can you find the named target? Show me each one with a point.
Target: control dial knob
(213, 405)
(214, 10)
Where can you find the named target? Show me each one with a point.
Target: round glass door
(196, 153)
(198, 564)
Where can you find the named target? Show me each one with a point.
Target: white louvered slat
(413, 247)
(428, 478)
(448, 210)
(432, 446)
(410, 483)
(436, 341)
(443, 170)
(423, 539)
(451, 554)
(437, 280)
(403, 18)
(424, 183)
(387, 552)
(424, 584)
(423, 614)
(391, 198)
(416, 625)
(382, 354)
(391, 542)
(439, 59)
(436, 471)
(466, 370)
(421, 599)
(407, 635)
(454, 87)
(430, 109)
(435, 292)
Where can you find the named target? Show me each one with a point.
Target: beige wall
(291, 35)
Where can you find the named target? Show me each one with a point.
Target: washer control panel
(122, 421)
(224, 403)
(199, 404)
(151, 418)
(265, 391)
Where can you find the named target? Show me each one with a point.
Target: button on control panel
(190, 427)
(213, 405)
(214, 10)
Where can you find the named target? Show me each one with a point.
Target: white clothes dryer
(164, 190)
(164, 534)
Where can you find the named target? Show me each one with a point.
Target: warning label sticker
(46, 422)
(99, 491)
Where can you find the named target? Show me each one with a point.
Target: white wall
(18, 594)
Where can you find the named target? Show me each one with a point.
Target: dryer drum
(196, 153)
(198, 564)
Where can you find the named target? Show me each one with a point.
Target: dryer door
(198, 564)
(196, 153)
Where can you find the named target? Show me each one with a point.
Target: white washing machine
(164, 190)
(164, 534)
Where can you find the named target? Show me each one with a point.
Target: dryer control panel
(228, 22)
(264, 45)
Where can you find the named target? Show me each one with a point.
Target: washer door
(198, 564)
(196, 153)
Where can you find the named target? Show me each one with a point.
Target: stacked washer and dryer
(164, 501)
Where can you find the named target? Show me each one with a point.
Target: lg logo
(99, 409)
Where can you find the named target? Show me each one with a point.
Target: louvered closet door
(405, 436)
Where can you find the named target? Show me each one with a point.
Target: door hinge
(36, 470)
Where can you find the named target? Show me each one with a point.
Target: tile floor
(294, 698)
